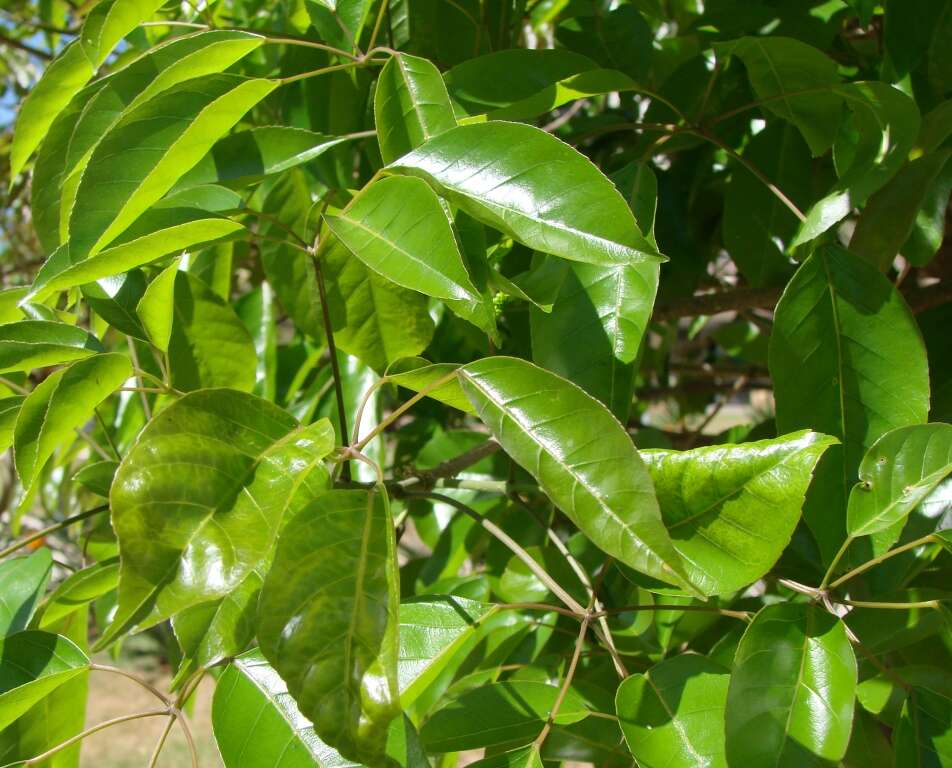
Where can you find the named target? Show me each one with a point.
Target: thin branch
(384, 6)
(88, 732)
(569, 675)
(540, 573)
(397, 413)
(51, 529)
(883, 557)
(335, 365)
(134, 678)
(451, 467)
(14, 43)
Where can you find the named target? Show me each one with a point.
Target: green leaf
(104, 27)
(65, 154)
(77, 591)
(581, 456)
(229, 468)
(924, 734)
(257, 312)
(23, 581)
(373, 319)
(209, 345)
(97, 477)
(417, 374)
(397, 227)
(890, 214)
(793, 81)
(432, 629)
(673, 714)
(328, 624)
(258, 724)
(731, 509)
(114, 300)
(249, 156)
(527, 757)
(496, 80)
(156, 307)
(411, 105)
(158, 233)
(32, 665)
(185, 121)
(9, 410)
(758, 227)
(110, 21)
(339, 21)
(499, 715)
(902, 470)
(29, 344)
(68, 73)
(60, 404)
(792, 690)
(220, 628)
(846, 359)
(886, 124)
(511, 176)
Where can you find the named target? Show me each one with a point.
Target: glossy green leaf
(248, 156)
(62, 79)
(229, 468)
(64, 156)
(886, 126)
(673, 714)
(580, 455)
(373, 319)
(328, 624)
(22, 583)
(156, 307)
(97, 477)
(758, 227)
(221, 628)
(497, 80)
(592, 332)
(793, 81)
(29, 344)
(158, 233)
(78, 590)
(432, 629)
(411, 105)
(209, 345)
(397, 227)
(511, 176)
(846, 359)
(60, 404)
(32, 665)
(888, 218)
(186, 121)
(924, 734)
(792, 690)
(105, 25)
(257, 312)
(339, 21)
(257, 723)
(731, 509)
(902, 470)
(502, 715)
(418, 374)
(9, 410)
(114, 300)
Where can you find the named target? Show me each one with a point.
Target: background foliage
(533, 382)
